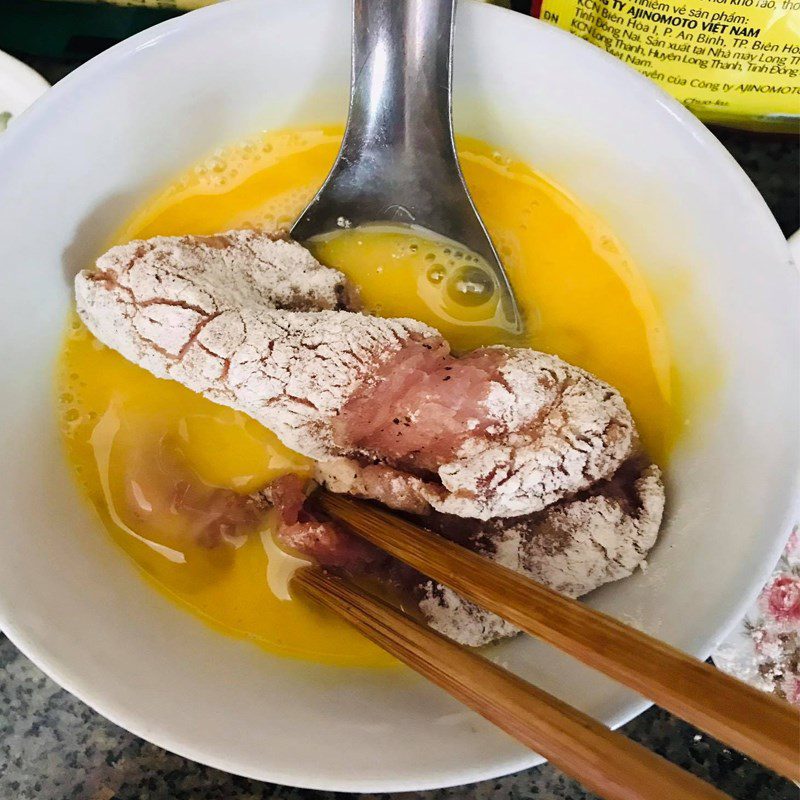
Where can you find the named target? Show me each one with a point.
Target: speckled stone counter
(53, 747)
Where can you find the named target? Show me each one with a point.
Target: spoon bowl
(398, 161)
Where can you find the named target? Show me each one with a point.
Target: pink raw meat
(421, 406)
(303, 529)
(161, 489)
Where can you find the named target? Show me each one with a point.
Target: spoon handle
(398, 161)
(401, 78)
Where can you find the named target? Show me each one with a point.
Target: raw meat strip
(499, 432)
(221, 321)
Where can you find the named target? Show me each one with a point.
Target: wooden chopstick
(608, 763)
(751, 721)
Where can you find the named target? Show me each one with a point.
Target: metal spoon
(398, 162)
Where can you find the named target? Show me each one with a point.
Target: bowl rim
(45, 107)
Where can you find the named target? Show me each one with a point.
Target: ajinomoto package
(736, 62)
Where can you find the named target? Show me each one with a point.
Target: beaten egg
(159, 462)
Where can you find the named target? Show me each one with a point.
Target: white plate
(19, 86)
(119, 127)
(794, 246)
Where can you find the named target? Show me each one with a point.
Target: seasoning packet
(734, 62)
(166, 5)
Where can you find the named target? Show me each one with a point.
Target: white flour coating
(395, 489)
(603, 542)
(560, 430)
(236, 317)
(208, 313)
(573, 548)
(228, 270)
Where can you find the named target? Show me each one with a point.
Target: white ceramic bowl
(80, 161)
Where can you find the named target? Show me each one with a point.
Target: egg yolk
(169, 472)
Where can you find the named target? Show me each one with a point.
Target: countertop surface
(52, 746)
